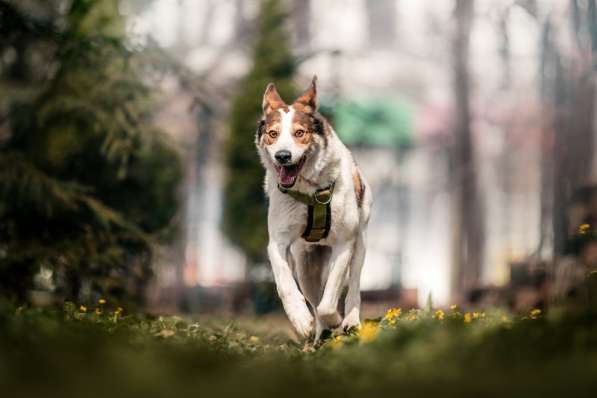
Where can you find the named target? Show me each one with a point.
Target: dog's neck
(321, 170)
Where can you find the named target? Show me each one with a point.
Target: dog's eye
(273, 133)
(299, 133)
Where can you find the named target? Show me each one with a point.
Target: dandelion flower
(584, 228)
(82, 308)
(467, 317)
(476, 315)
(336, 343)
(535, 313)
(254, 339)
(393, 313)
(453, 307)
(101, 301)
(439, 314)
(368, 332)
(98, 311)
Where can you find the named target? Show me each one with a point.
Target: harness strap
(319, 211)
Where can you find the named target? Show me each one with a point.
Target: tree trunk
(301, 14)
(468, 221)
(574, 92)
(381, 15)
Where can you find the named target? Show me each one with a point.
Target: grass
(105, 352)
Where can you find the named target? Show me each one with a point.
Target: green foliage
(20, 31)
(101, 350)
(245, 207)
(87, 184)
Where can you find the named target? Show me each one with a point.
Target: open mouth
(287, 175)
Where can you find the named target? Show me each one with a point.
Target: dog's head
(287, 136)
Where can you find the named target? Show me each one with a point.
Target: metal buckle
(328, 191)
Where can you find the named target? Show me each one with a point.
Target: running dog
(319, 206)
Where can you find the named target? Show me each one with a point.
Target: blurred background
(128, 168)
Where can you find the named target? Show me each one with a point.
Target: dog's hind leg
(352, 306)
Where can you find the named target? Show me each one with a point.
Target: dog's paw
(303, 322)
(351, 321)
(329, 318)
(321, 336)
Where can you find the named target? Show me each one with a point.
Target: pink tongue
(287, 176)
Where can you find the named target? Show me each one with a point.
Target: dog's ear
(307, 102)
(271, 99)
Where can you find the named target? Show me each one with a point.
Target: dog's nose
(283, 156)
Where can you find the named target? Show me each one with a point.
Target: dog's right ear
(271, 99)
(307, 102)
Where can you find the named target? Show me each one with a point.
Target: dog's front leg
(327, 310)
(292, 299)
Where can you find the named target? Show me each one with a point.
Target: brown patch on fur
(304, 122)
(305, 139)
(359, 188)
(268, 139)
(270, 123)
(312, 123)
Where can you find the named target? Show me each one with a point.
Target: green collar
(319, 214)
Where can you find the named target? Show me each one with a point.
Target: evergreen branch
(14, 22)
(25, 185)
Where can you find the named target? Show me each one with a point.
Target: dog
(319, 205)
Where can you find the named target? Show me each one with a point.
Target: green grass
(71, 353)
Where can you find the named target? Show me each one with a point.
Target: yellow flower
(254, 339)
(98, 311)
(101, 301)
(368, 332)
(412, 316)
(535, 313)
(453, 307)
(117, 313)
(476, 315)
(392, 314)
(467, 317)
(583, 228)
(439, 314)
(336, 343)
(82, 308)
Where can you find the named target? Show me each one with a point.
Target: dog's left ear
(307, 102)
